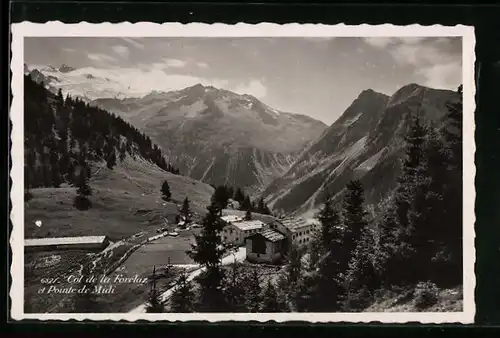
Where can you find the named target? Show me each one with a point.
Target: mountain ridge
(365, 142)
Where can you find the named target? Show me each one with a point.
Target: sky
(318, 77)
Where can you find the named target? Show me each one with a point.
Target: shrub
(82, 203)
(426, 295)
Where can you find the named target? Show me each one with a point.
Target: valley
(114, 151)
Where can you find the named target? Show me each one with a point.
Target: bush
(426, 295)
(82, 203)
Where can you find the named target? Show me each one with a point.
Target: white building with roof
(235, 233)
(298, 231)
(66, 243)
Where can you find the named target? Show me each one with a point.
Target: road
(239, 256)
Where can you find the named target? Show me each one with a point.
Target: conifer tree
(83, 190)
(220, 197)
(353, 218)
(329, 221)
(154, 302)
(208, 252)
(253, 298)
(270, 301)
(248, 215)
(186, 210)
(239, 196)
(111, 160)
(183, 298)
(165, 191)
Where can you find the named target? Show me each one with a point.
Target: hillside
(218, 136)
(364, 143)
(65, 140)
(210, 134)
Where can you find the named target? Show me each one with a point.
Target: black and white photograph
(253, 176)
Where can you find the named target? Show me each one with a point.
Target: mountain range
(220, 137)
(365, 143)
(212, 135)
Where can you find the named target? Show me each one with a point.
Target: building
(93, 243)
(265, 247)
(235, 233)
(231, 219)
(298, 231)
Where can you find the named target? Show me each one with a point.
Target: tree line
(64, 135)
(415, 237)
(224, 193)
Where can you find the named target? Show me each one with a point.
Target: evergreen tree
(329, 220)
(354, 220)
(208, 252)
(111, 160)
(362, 278)
(221, 197)
(248, 215)
(253, 297)
(154, 302)
(165, 191)
(183, 298)
(239, 196)
(81, 200)
(246, 204)
(290, 281)
(270, 299)
(411, 168)
(186, 211)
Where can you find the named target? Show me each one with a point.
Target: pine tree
(220, 197)
(414, 155)
(81, 200)
(354, 220)
(329, 220)
(239, 196)
(246, 204)
(253, 292)
(270, 299)
(154, 302)
(248, 215)
(165, 191)
(183, 298)
(208, 252)
(186, 211)
(111, 160)
(289, 282)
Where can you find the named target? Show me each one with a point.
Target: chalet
(265, 247)
(235, 233)
(298, 231)
(93, 243)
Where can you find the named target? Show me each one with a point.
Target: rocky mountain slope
(365, 143)
(210, 134)
(218, 136)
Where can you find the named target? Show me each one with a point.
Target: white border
(146, 29)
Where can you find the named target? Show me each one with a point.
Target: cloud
(430, 58)
(379, 42)
(254, 87)
(384, 42)
(101, 57)
(134, 42)
(442, 76)
(319, 38)
(202, 65)
(69, 50)
(174, 63)
(123, 51)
